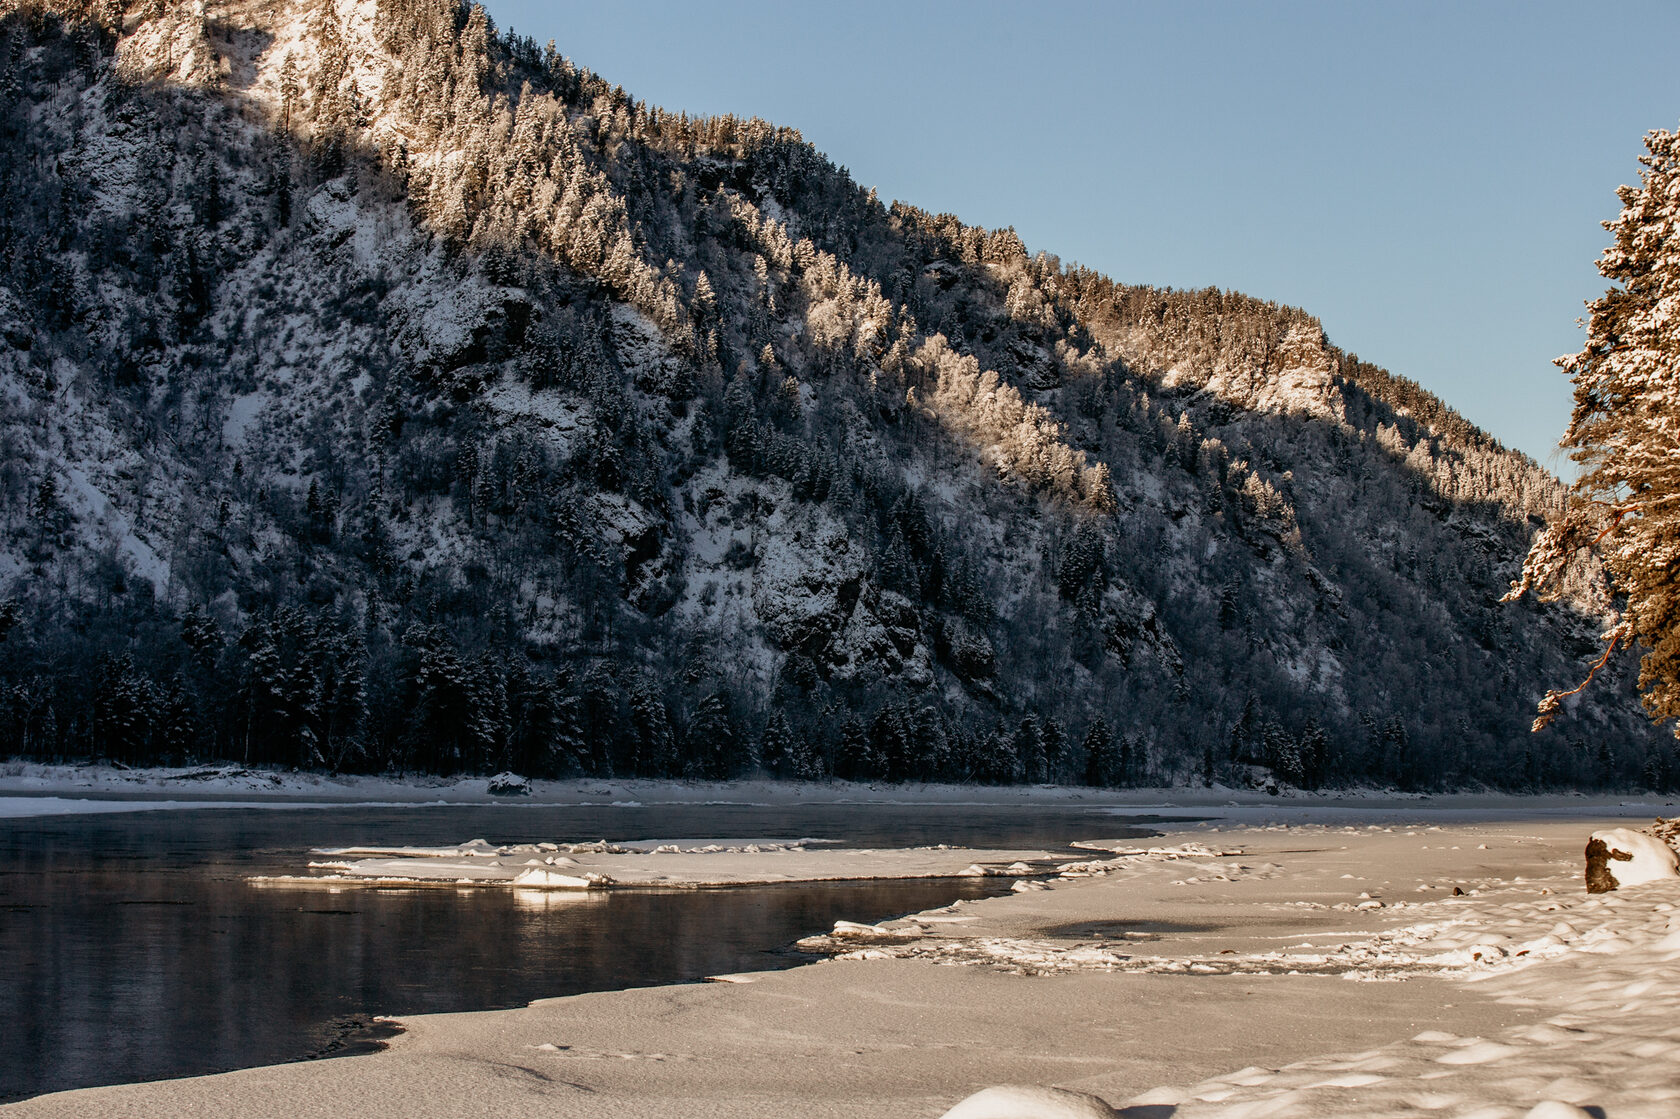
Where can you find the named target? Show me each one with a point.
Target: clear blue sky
(1426, 178)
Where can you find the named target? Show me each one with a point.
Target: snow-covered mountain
(381, 391)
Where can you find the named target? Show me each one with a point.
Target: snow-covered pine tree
(854, 760)
(1099, 755)
(651, 723)
(710, 739)
(569, 748)
(776, 745)
(1625, 434)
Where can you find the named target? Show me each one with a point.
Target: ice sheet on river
(679, 863)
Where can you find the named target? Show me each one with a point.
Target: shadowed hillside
(382, 392)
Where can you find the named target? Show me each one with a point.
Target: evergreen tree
(930, 743)
(1054, 742)
(709, 744)
(1230, 606)
(568, 751)
(201, 636)
(1129, 760)
(448, 721)
(651, 724)
(1083, 575)
(1029, 749)
(1313, 749)
(777, 746)
(179, 733)
(1285, 756)
(998, 764)
(1625, 503)
(123, 711)
(289, 88)
(854, 759)
(599, 715)
(1098, 748)
(890, 736)
(1397, 752)
(1245, 738)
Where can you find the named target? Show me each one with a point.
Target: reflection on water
(546, 900)
(133, 948)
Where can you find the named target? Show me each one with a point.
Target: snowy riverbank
(1409, 964)
(88, 788)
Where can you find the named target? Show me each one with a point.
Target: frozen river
(133, 946)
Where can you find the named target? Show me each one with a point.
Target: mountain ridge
(550, 430)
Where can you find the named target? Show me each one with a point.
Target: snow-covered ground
(1601, 969)
(169, 787)
(1597, 971)
(1398, 959)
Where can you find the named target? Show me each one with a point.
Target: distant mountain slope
(378, 391)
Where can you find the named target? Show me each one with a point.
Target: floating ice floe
(853, 930)
(544, 879)
(1121, 850)
(650, 863)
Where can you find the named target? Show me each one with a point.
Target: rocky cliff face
(378, 390)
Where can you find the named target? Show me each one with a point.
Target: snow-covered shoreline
(1206, 973)
(229, 785)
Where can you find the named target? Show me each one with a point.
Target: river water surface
(133, 946)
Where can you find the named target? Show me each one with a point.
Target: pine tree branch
(1553, 702)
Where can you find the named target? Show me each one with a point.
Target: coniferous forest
(380, 391)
